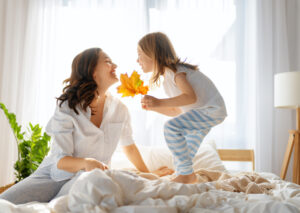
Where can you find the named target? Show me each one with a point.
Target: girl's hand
(91, 163)
(148, 102)
(163, 171)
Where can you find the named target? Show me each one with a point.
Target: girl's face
(146, 63)
(105, 71)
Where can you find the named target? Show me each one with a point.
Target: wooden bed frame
(237, 155)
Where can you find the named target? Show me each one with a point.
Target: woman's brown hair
(159, 47)
(81, 87)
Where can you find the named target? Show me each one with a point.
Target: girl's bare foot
(188, 179)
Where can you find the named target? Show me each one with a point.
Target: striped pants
(184, 135)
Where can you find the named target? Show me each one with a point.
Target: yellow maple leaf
(131, 86)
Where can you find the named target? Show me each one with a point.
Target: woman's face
(146, 63)
(105, 71)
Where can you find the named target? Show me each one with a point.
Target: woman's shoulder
(63, 118)
(117, 109)
(63, 108)
(117, 102)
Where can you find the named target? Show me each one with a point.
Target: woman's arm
(73, 164)
(133, 154)
(135, 157)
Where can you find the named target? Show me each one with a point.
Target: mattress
(123, 191)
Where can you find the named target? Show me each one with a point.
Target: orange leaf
(131, 86)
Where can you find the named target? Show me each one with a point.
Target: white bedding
(124, 192)
(121, 191)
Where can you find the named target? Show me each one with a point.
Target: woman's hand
(163, 171)
(148, 102)
(91, 163)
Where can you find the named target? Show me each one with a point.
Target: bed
(219, 190)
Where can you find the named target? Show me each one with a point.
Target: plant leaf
(32, 148)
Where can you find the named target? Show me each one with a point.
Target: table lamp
(287, 95)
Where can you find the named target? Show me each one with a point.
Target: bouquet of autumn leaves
(131, 86)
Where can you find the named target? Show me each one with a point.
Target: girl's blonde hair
(159, 47)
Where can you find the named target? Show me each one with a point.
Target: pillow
(207, 157)
(155, 157)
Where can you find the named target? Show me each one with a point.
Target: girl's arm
(133, 154)
(168, 111)
(73, 164)
(187, 96)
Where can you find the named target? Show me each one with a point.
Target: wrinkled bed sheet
(124, 191)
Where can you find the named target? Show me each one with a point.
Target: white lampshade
(287, 90)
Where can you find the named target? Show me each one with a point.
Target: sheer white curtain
(39, 39)
(22, 78)
(277, 51)
(238, 44)
(267, 43)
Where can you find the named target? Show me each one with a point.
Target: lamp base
(293, 143)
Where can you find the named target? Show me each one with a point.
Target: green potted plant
(32, 145)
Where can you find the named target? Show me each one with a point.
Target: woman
(86, 127)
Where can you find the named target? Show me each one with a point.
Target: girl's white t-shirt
(208, 97)
(75, 135)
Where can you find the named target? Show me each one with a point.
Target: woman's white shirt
(75, 135)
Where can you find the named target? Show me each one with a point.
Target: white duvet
(121, 191)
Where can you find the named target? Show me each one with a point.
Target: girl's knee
(169, 126)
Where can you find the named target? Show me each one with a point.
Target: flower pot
(3, 188)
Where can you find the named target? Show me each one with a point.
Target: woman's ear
(94, 76)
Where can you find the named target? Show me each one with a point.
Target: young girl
(194, 101)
